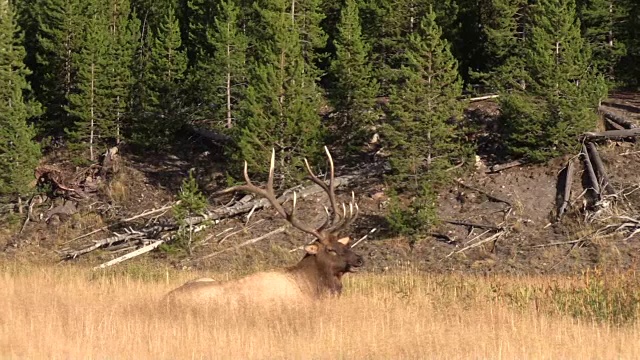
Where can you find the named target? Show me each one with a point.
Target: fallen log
(612, 135)
(148, 233)
(212, 216)
(613, 125)
(616, 117)
(601, 174)
(591, 174)
(131, 255)
(566, 190)
(120, 222)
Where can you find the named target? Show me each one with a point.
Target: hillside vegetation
(119, 107)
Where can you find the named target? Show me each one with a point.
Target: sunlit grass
(72, 313)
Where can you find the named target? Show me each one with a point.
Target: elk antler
(338, 225)
(269, 193)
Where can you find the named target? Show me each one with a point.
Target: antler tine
(326, 222)
(330, 189)
(270, 195)
(347, 219)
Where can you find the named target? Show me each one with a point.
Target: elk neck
(320, 279)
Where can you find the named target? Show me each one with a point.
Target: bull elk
(318, 274)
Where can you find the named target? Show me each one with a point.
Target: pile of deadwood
(141, 233)
(61, 191)
(600, 201)
(146, 231)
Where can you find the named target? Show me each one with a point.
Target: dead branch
(496, 198)
(470, 224)
(143, 250)
(214, 216)
(495, 236)
(559, 243)
(364, 237)
(245, 228)
(141, 215)
(499, 167)
(103, 243)
(566, 189)
(486, 97)
(618, 119)
(248, 242)
(29, 211)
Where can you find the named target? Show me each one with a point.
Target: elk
(318, 274)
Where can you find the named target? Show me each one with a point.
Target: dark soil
(152, 180)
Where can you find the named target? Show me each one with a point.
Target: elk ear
(344, 240)
(311, 249)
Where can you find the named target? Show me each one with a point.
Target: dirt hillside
(517, 205)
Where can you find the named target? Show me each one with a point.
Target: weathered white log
(612, 135)
(591, 174)
(131, 255)
(566, 191)
(485, 97)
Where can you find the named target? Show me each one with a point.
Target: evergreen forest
(296, 75)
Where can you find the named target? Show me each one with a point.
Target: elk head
(331, 250)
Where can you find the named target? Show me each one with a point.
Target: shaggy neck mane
(317, 277)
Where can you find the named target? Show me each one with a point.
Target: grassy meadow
(74, 313)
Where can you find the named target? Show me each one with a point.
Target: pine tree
(19, 154)
(282, 102)
(419, 135)
(505, 29)
(221, 77)
(355, 88)
(602, 24)
(628, 70)
(90, 103)
(201, 15)
(160, 81)
(55, 37)
(389, 23)
(123, 40)
(307, 17)
(562, 91)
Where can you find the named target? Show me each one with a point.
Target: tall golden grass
(72, 313)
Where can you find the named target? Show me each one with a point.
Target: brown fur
(318, 274)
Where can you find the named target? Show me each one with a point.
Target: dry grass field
(73, 313)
